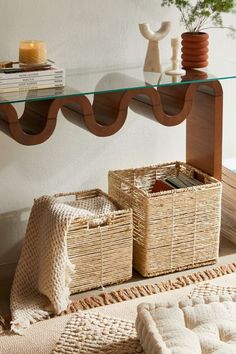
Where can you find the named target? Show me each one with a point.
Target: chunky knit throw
(41, 282)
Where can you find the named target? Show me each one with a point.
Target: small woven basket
(100, 248)
(173, 230)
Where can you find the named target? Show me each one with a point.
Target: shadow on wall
(12, 225)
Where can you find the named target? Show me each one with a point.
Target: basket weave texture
(173, 230)
(99, 247)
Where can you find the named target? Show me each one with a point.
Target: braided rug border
(138, 291)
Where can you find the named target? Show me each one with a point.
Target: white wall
(84, 34)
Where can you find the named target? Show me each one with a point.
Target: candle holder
(32, 52)
(175, 70)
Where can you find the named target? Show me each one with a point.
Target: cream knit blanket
(41, 282)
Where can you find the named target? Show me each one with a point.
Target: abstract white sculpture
(175, 70)
(152, 61)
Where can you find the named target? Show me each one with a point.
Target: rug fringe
(138, 291)
(113, 297)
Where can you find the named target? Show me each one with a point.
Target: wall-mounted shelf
(168, 100)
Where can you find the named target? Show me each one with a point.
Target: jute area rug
(43, 337)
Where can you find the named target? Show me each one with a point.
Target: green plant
(199, 15)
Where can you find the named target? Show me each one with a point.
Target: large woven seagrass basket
(173, 230)
(99, 247)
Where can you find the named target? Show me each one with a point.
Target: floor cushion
(200, 325)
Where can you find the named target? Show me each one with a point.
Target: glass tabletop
(95, 82)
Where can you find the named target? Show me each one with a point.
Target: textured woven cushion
(91, 333)
(205, 325)
(208, 289)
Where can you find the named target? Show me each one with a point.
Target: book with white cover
(32, 80)
(35, 81)
(27, 88)
(32, 94)
(53, 71)
(47, 84)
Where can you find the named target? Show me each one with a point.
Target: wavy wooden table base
(200, 103)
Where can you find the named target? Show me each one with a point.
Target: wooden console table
(197, 97)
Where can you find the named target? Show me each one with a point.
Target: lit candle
(32, 52)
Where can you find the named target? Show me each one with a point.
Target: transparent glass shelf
(88, 83)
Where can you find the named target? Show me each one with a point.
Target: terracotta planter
(194, 50)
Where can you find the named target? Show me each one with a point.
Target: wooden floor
(227, 255)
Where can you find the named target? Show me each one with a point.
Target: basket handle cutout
(99, 222)
(93, 224)
(125, 188)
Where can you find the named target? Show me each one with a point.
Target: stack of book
(228, 221)
(22, 79)
(180, 181)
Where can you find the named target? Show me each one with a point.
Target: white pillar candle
(175, 47)
(175, 69)
(32, 52)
